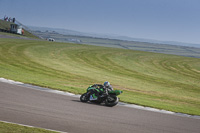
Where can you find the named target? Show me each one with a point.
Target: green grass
(5, 25)
(14, 128)
(150, 79)
(27, 35)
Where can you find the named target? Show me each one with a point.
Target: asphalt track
(37, 108)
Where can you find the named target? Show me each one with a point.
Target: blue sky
(165, 20)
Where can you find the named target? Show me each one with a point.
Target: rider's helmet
(106, 84)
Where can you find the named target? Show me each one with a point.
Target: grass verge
(14, 128)
(150, 79)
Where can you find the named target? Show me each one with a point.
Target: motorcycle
(105, 96)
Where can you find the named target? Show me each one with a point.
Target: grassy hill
(5, 26)
(157, 80)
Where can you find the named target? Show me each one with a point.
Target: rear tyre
(84, 98)
(111, 101)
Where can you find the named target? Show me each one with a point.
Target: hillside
(110, 36)
(5, 27)
(115, 43)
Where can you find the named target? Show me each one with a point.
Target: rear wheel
(111, 101)
(84, 97)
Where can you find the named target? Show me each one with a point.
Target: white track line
(120, 103)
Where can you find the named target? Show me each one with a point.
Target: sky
(164, 20)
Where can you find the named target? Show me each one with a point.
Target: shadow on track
(93, 103)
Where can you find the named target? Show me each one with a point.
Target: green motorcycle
(104, 95)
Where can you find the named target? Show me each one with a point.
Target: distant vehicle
(51, 39)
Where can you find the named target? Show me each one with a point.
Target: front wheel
(111, 101)
(84, 97)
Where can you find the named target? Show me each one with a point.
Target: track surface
(65, 113)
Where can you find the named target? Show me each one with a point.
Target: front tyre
(111, 101)
(84, 97)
